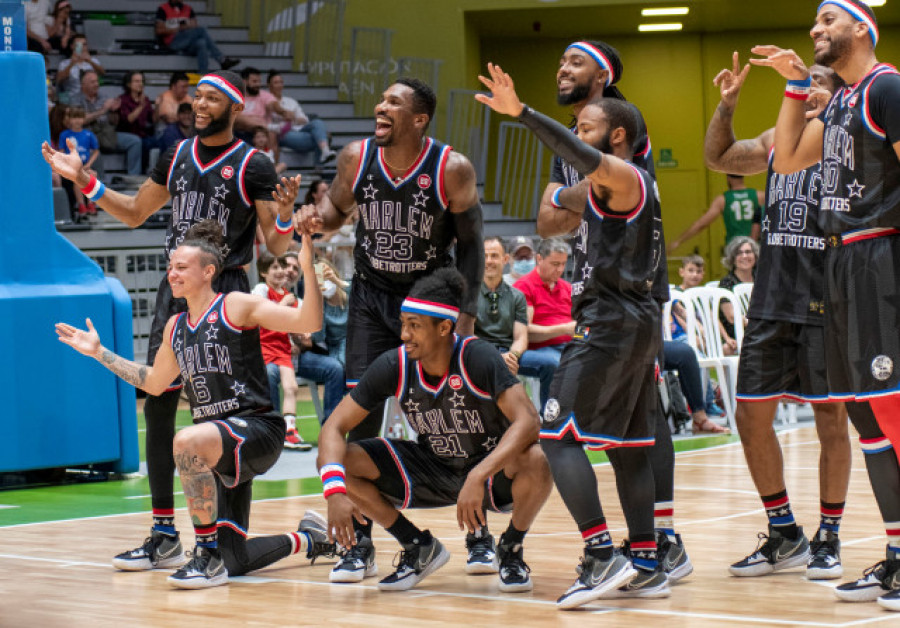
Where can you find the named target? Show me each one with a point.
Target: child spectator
(276, 347)
(261, 143)
(85, 143)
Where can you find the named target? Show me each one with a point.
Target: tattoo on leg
(199, 488)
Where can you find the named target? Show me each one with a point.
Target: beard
(837, 49)
(578, 94)
(603, 145)
(216, 125)
(252, 91)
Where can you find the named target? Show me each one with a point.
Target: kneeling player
(477, 446)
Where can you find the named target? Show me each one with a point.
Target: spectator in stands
(82, 141)
(291, 269)
(261, 143)
(136, 114)
(521, 250)
(181, 129)
(295, 130)
(177, 30)
(258, 107)
(102, 117)
(502, 317)
(334, 329)
(60, 31)
(740, 258)
(57, 126)
(71, 70)
(680, 357)
(548, 298)
(37, 25)
(168, 102)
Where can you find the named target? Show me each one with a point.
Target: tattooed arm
(153, 379)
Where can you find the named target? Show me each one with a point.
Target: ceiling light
(652, 28)
(875, 3)
(667, 11)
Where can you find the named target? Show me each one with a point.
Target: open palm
(86, 342)
(67, 165)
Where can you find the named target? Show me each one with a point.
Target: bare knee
(531, 463)
(198, 443)
(357, 463)
(831, 425)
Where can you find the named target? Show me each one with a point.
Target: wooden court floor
(59, 574)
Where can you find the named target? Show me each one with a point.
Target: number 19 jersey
(405, 229)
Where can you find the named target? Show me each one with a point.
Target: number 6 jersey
(404, 230)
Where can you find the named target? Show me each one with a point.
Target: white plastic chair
(743, 291)
(674, 295)
(702, 305)
(711, 284)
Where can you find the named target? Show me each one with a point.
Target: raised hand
(308, 220)
(503, 97)
(305, 257)
(67, 165)
(786, 62)
(730, 81)
(84, 342)
(286, 192)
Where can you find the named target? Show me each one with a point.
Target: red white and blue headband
(430, 308)
(858, 14)
(597, 55)
(223, 86)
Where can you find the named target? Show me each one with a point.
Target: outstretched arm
(338, 203)
(799, 140)
(152, 379)
(715, 209)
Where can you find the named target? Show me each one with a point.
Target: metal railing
(521, 163)
(468, 122)
(370, 68)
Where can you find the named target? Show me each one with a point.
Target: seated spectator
(335, 291)
(168, 102)
(740, 258)
(521, 250)
(37, 25)
(502, 317)
(276, 348)
(60, 30)
(181, 129)
(136, 113)
(549, 306)
(102, 117)
(258, 106)
(81, 140)
(177, 30)
(261, 143)
(294, 128)
(68, 76)
(680, 357)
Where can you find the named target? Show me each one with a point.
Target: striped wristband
(95, 189)
(798, 90)
(284, 227)
(333, 480)
(554, 198)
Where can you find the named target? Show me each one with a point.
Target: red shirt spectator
(549, 299)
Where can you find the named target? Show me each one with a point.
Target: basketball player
(414, 196)
(783, 354)
(604, 395)
(857, 138)
(588, 72)
(477, 442)
(212, 175)
(237, 434)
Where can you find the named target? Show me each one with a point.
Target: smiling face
(833, 34)
(395, 116)
(494, 260)
(423, 335)
(276, 86)
(745, 259)
(276, 277)
(212, 111)
(691, 275)
(578, 78)
(187, 273)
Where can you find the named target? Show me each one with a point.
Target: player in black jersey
(215, 176)
(588, 71)
(476, 444)
(237, 435)
(857, 138)
(604, 394)
(783, 350)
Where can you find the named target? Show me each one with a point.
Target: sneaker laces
(320, 548)
(479, 547)
(766, 545)
(406, 558)
(354, 553)
(821, 548)
(513, 561)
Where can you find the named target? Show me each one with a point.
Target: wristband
(333, 480)
(554, 199)
(283, 227)
(798, 90)
(95, 189)
(516, 354)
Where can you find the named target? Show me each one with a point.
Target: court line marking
(2, 506)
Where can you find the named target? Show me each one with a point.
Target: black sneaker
(647, 584)
(877, 581)
(229, 62)
(825, 556)
(596, 577)
(315, 527)
(774, 553)
(159, 551)
(514, 572)
(356, 563)
(414, 563)
(205, 569)
(482, 553)
(672, 557)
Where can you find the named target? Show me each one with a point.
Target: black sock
(404, 531)
(363, 529)
(512, 536)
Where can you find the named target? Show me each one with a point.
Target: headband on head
(597, 55)
(224, 86)
(430, 308)
(858, 14)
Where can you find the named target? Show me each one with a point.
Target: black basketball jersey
(456, 418)
(860, 170)
(215, 190)
(617, 255)
(221, 365)
(405, 229)
(790, 273)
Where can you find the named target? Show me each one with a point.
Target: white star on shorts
(238, 388)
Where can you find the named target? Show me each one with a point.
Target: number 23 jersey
(456, 417)
(404, 230)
